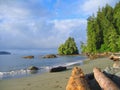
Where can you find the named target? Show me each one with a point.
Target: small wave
(26, 72)
(22, 72)
(13, 73)
(73, 63)
(66, 64)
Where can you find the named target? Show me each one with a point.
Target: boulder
(33, 68)
(28, 57)
(58, 69)
(50, 56)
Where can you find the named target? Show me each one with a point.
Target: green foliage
(103, 31)
(68, 48)
(83, 47)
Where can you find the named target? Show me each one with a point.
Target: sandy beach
(51, 81)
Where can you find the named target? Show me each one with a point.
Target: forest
(103, 31)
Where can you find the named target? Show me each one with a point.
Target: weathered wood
(104, 82)
(114, 58)
(58, 69)
(77, 80)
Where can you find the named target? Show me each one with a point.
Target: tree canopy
(68, 48)
(103, 30)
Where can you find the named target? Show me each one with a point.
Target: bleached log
(114, 58)
(77, 80)
(104, 82)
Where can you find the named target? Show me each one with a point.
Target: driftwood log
(116, 60)
(77, 80)
(104, 82)
(58, 69)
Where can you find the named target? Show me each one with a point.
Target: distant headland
(4, 53)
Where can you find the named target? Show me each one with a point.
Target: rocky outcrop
(77, 80)
(33, 68)
(58, 69)
(28, 57)
(50, 56)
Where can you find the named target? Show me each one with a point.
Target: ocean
(15, 66)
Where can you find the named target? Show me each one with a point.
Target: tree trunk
(104, 82)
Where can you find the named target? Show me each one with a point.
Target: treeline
(103, 31)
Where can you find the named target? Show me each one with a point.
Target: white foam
(13, 73)
(73, 63)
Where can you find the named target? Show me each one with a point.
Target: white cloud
(65, 26)
(39, 34)
(70, 27)
(30, 24)
(11, 12)
(91, 6)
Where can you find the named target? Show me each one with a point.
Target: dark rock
(33, 68)
(58, 69)
(4, 53)
(29, 57)
(50, 56)
(89, 76)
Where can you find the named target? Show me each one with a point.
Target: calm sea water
(15, 66)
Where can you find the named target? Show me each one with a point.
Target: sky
(34, 24)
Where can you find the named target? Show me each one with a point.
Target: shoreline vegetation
(52, 81)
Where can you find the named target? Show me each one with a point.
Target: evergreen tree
(103, 31)
(68, 48)
(113, 37)
(91, 34)
(117, 17)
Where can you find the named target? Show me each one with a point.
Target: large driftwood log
(77, 80)
(114, 58)
(104, 82)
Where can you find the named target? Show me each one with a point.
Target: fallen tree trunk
(114, 58)
(77, 80)
(104, 82)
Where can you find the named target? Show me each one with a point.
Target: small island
(68, 48)
(4, 53)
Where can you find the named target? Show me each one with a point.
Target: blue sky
(33, 24)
